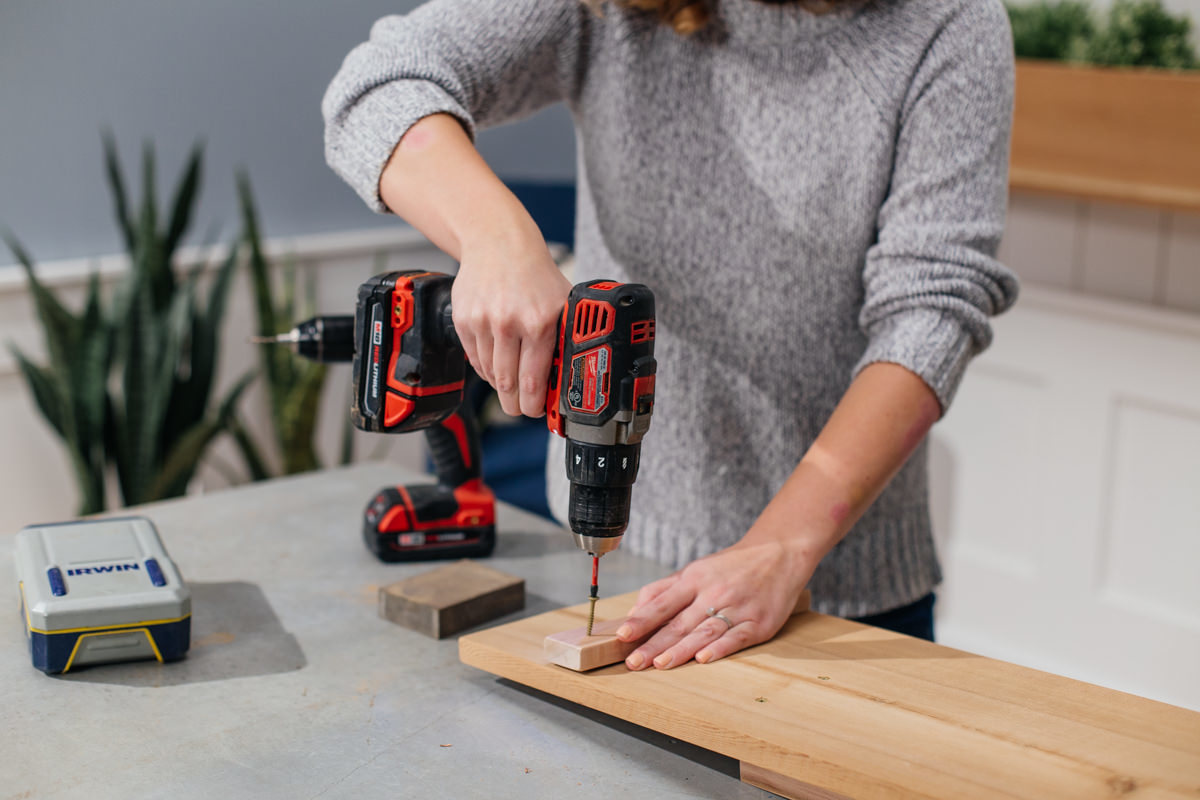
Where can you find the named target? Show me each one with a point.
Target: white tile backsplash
(1039, 239)
(1141, 255)
(1122, 248)
(1181, 286)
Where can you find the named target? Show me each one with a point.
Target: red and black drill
(408, 374)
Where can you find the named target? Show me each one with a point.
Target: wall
(1142, 255)
(246, 78)
(1065, 476)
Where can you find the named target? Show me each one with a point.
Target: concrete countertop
(295, 688)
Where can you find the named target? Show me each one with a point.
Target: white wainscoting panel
(1066, 483)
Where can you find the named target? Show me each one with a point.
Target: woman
(815, 195)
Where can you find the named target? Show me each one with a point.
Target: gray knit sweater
(805, 194)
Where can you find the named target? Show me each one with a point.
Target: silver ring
(712, 612)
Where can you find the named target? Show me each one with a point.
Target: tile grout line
(1079, 248)
(1166, 230)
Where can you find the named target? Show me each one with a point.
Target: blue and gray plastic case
(99, 591)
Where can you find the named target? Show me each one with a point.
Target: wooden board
(451, 598)
(848, 709)
(576, 649)
(1125, 135)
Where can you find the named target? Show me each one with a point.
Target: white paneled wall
(1067, 493)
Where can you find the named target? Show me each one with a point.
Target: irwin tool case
(99, 591)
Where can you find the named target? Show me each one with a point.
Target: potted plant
(129, 379)
(1106, 110)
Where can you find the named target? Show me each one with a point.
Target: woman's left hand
(751, 587)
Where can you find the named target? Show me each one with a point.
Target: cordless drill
(408, 374)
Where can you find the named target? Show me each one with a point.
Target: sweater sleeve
(485, 62)
(931, 280)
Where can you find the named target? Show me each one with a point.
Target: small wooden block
(449, 599)
(574, 649)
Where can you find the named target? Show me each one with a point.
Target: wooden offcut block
(449, 599)
(575, 649)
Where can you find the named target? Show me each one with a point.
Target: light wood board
(844, 708)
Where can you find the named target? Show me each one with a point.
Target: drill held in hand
(408, 374)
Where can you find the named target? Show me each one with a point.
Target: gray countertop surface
(295, 688)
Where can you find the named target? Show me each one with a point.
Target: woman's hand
(507, 299)
(754, 585)
(509, 292)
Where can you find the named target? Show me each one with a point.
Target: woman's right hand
(509, 292)
(507, 299)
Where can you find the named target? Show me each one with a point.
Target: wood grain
(1125, 135)
(867, 713)
(451, 598)
(576, 649)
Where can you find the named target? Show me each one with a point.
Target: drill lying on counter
(408, 374)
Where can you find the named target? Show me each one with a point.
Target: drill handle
(454, 446)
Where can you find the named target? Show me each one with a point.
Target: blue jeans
(914, 619)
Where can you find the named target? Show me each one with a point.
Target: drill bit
(284, 338)
(594, 593)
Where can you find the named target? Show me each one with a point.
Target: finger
(536, 357)
(468, 346)
(706, 633)
(466, 336)
(484, 350)
(653, 590)
(506, 356)
(736, 638)
(646, 618)
(666, 637)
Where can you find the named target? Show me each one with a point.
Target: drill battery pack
(431, 521)
(100, 591)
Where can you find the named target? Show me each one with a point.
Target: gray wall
(246, 77)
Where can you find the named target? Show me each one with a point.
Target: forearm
(437, 181)
(876, 426)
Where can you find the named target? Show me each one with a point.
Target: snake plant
(129, 379)
(294, 384)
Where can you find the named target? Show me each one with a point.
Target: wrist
(797, 550)
(498, 225)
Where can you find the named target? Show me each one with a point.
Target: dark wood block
(452, 598)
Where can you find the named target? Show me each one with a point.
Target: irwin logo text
(105, 568)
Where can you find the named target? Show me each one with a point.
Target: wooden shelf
(1120, 135)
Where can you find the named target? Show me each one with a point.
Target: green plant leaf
(298, 419)
(185, 200)
(91, 365)
(181, 462)
(59, 326)
(259, 268)
(116, 186)
(47, 393)
(256, 464)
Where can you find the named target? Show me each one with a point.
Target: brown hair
(688, 16)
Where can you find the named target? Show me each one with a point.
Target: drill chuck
(601, 478)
